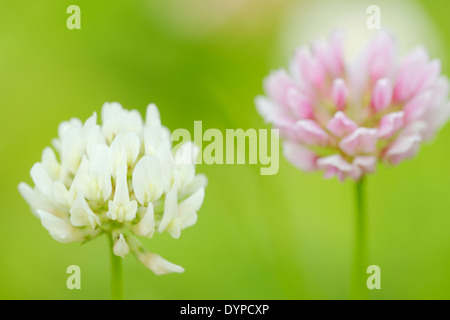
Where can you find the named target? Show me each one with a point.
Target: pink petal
(435, 119)
(416, 107)
(390, 124)
(334, 165)
(362, 140)
(439, 111)
(361, 166)
(308, 68)
(430, 74)
(272, 112)
(414, 128)
(299, 156)
(414, 74)
(310, 133)
(300, 104)
(340, 125)
(329, 53)
(382, 94)
(366, 163)
(440, 90)
(277, 85)
(339, 93)
(402, 148)
(380, 56)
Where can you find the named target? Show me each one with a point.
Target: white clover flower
(121, 178)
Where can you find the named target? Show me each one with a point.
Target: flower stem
(359, 289)
(116, 272)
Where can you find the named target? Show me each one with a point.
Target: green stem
(116, 273)
(359, 288)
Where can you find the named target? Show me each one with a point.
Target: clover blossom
(121, 178)
(343, 117)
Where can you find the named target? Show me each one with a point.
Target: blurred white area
(307, 20)
(198, 18)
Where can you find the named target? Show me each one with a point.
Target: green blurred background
(287, 236)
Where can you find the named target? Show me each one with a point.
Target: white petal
(60, 193)
(81, 214)
(146, 227)
(72, 148)
(121, 208)
(199, 181)
(50, 163)
(183, 175)
(125, 149)
(189, 220)
(34, 199)
(100, 170)
(110, 128)
(113, 211)
(121, 247)
(132, 122)
(78, 181)
(184, 160)
(91, 121)
(164, 155)
(118, 151)
(159, 265)
(133, 144)
(147, 183)
(100, 159)
(65, 125)
(121, 195)
(187, 153)
(174, 229)
(131, 209)
(152, 115)
(111, 110)
(56, 143)
(170, 210)
(165, 135)
(41, 179)
(151, 139)
(58, 228)
(191, 204)
(92, 133)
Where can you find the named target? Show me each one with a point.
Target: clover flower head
(121, 178)
(343, 117)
